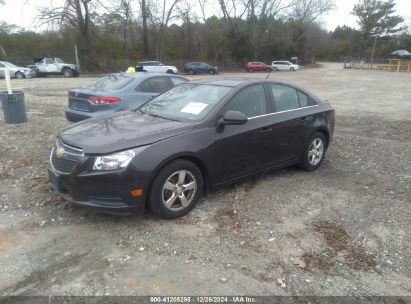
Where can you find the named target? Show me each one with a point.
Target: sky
(23, 12)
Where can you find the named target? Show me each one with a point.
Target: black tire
(211, 72)
(170, 72)
(19, 75)
(292, 69)
(67, 73)
(306, 162)
(159, 194)
(275, 69)
(191, 72)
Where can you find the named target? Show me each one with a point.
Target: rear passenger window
(160, 84)
(177, 80)
(285, 98)
(145, 86)
(250, 101)
(305, 101)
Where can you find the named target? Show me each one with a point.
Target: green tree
(376, 18)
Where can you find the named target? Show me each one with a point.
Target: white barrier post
(7, 77)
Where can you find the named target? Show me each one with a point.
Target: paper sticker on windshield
(194, 108)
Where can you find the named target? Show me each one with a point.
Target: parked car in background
(284, 66)
(15, 71)
(401, 54)
(200, 134)
(46, 66)
(199, 68)
(257, 67)
(117, 92)
(156, 67)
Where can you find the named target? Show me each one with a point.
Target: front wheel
(19, 75)
(292, 69)
(67, 73)
(170, 72)
(211, 72)
(176, 189)
(314, 152)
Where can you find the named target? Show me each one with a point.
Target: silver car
(15, 71)
(117, 92)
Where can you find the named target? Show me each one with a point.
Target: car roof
(144, 74)
(237, 81)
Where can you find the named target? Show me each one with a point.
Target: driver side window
(250, 101)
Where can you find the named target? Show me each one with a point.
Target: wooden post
(398, 65)
(409, 64)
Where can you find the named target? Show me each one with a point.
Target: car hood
(120, 131)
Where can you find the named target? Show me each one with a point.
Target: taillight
(102, 99)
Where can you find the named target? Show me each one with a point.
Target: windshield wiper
(159, 116)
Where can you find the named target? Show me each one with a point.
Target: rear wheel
(314, 152)
(275, 69)
(176, 189)
(191, 72)
(67, 73)
(19, 75)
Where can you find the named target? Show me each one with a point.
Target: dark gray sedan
(117, 92)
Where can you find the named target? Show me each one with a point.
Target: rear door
(289, 125)
(242, 149)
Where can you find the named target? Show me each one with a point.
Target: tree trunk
(145, 29)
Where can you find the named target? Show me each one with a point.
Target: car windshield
(59, 60)
(110, 82)
(188, 101)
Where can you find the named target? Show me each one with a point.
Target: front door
(242, 149)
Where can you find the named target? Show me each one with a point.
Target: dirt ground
(341, 230)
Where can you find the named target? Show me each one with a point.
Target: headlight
(113, 161)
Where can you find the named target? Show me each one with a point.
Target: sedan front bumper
(103, 192)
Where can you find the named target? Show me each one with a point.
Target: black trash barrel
(13, 107)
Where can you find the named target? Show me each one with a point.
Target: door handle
(265, 130)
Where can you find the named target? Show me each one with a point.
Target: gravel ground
(341, 230)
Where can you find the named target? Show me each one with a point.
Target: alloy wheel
(179, 190)
(316, 151)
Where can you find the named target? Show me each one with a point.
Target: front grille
(63, 165)
(68, 148)
(65, 161)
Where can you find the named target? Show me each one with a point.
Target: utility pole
(373, 50)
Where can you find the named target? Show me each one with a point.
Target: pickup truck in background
(54, 66)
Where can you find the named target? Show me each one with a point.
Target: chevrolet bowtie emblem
(59, 152)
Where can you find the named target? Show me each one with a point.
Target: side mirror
(233, 118)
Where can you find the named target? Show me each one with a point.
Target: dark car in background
(255, 66)
(200, 68)
(197, 135)
(117, 92)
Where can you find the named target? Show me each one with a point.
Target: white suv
(284, 66)
(156, 67)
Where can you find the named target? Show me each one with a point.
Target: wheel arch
(195, 160)
(324, 132)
